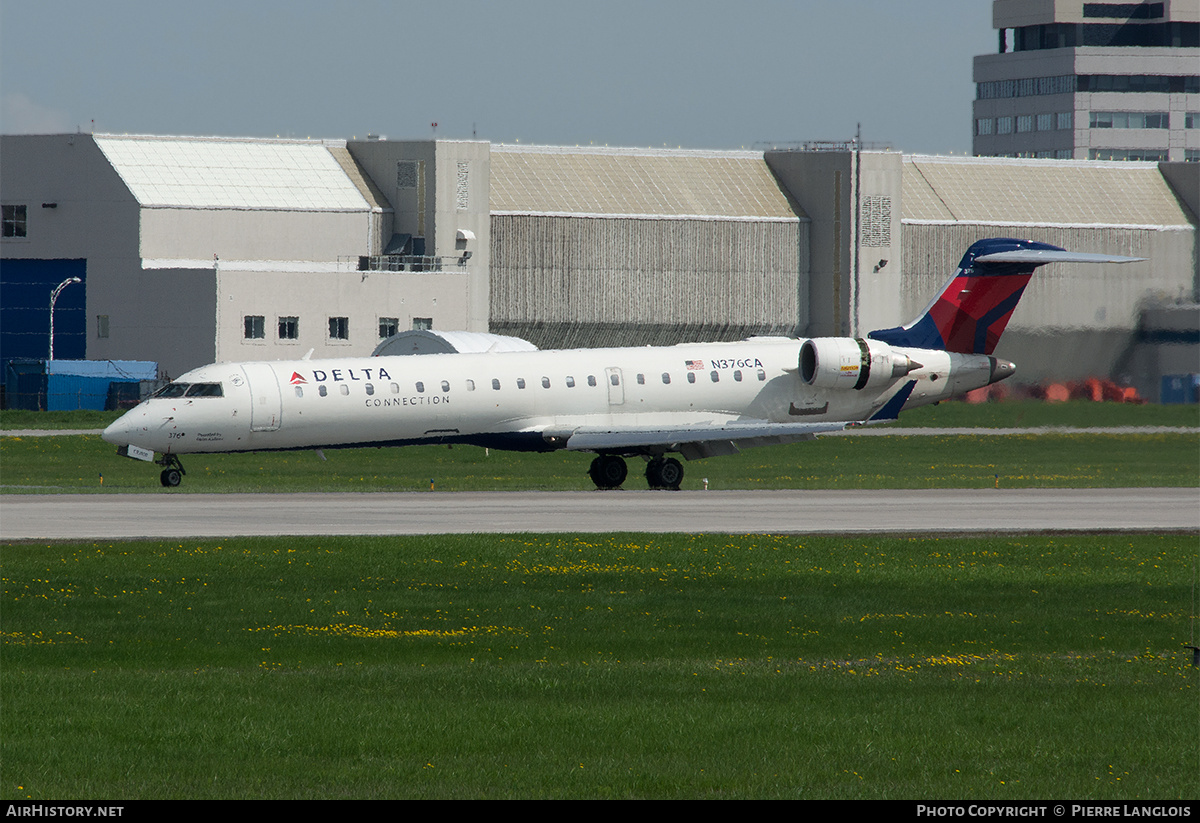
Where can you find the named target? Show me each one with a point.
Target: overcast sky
(699, 74)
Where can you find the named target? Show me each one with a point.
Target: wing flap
(597, 438)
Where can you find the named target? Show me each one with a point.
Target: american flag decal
(694, 365)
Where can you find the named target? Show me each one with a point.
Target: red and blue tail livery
(971, 312)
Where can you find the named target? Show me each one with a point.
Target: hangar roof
(226, 173)
(999, 191)
(636, 183)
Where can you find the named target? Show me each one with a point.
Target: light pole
(53, 298)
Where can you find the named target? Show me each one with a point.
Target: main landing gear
(173, 474)
(608, 471)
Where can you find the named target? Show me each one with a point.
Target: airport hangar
(192, 250)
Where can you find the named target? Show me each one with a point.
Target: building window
(1129, 120)
(1064, 119)
(1124, 11)
(388, 327)
(254, 327)
(983, 126)
(423, 323)
(1045, 122)
(1191, 120)
(1147, 155)
(339, 328)
(289, 328)
(15, 221)
(1004, 125)
(102, 326)
(1025, 123)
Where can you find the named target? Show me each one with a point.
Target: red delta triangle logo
(297, 378)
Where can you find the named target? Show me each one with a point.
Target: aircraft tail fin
(973, 309)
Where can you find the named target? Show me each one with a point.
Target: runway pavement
(120, 516)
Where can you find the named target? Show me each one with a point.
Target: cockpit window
(173, 390)
(205, 390)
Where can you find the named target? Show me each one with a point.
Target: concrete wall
(440, 204)
(198, 234)
(849, 291)
(362, 297)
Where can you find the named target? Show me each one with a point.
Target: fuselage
(516, 400)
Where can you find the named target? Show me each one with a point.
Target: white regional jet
(694, 399)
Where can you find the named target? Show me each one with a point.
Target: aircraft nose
(125, 428)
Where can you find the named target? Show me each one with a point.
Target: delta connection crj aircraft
(694, 399)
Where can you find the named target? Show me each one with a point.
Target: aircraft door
(616, 389)
(266, 404)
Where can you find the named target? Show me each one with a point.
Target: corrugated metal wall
(564, 281)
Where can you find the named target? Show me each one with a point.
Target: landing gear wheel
(608, 471)
(664, 473)
(173, 471)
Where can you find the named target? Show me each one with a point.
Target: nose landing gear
(173, 474)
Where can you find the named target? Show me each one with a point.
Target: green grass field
(601, 666)
(78, 463)
(85, 463)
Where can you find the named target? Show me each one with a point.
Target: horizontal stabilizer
(1043, 256)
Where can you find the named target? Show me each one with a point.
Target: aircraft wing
(696, 441)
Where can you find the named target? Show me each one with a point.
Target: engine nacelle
(851, 363)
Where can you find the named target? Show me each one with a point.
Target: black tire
(671, 474)
(664, 473)
(170, 478)
(608, 471)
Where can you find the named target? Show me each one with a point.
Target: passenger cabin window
(641, 378)
(344, 389)
(615, 379)
(299, 391)
(520, 382)
(370, 389)
(666, 379)
(545, 382)
(470, 384)
(445, 385)
(762, 375)
(495, 384)
(394, 388)
(570, 382)
(591, 379)
(420, 387)
(737, 376)
(691, 377)
(321, 390)
(715, 375)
